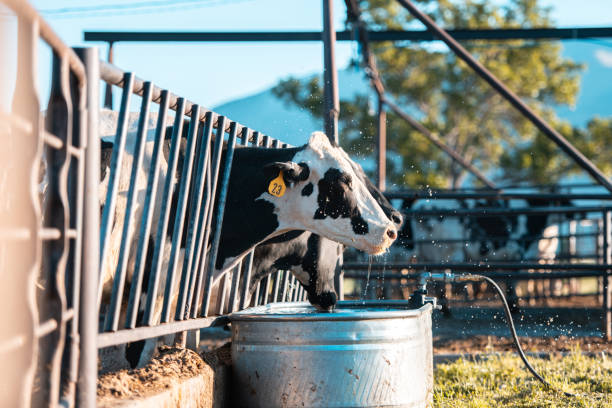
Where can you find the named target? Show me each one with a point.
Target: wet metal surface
(364, 354)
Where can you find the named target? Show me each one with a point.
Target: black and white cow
(310, 257)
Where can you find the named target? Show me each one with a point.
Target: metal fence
(41, 232)
(56, 243)
(567, 265)
(177, 294)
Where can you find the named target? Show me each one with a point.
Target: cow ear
(292, 172)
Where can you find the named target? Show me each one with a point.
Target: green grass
(502, 382)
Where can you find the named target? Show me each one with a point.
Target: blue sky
(213, 73)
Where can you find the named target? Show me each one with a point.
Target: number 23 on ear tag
(277, 186)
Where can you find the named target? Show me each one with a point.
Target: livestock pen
(137, 230)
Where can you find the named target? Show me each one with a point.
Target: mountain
(265, 112)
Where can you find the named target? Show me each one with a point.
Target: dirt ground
(172, 364)
(486, 344)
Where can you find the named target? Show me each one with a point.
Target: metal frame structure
(42, 235)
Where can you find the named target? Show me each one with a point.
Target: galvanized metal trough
(364, 354)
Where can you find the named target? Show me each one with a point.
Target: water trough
(364, 354)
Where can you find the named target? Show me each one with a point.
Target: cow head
(326, 195)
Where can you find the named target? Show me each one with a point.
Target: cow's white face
(324, 195)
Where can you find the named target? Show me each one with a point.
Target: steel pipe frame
(433, 194)
(509, 95)
(115, 76)
(566, 33)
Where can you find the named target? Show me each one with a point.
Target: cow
(312, 258)
(478, 237)
(321, 193)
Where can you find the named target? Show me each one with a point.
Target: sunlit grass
(501, 381)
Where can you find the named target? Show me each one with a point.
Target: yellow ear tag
(277, 186)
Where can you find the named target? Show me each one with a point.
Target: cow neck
(249, 219)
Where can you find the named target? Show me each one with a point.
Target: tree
(454, 103)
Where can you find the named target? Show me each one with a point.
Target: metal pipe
(113, 75)
(116, 165)
(496, 195)
(468, 266)
(112, 318)
(439, 144)
(330, 76)
(179, 217)
(565, 33)
(381, 146)
(88, 310)
(162, 223)
(229, 155)
(510, 96)
(607, 285)
(108, 92)
(147, 214)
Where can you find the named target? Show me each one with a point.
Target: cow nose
(397, 218)
(391, 233)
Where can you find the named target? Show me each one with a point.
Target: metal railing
(567, 265)
(178, 295)
(41, 234)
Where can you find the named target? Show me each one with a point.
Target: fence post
(607, 287)
(88, 313)
(330, 76)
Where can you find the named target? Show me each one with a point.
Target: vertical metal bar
(257, 294)
(381, 146)
(114, 176)
(76, 176)
(330, 76)
(607, 284)
(222, 293)
(108, 93)
(510, 96)
(20, 156)
(147, 213)
(88, 313)
(285, 286)
(236, 273)
(293, 289)
(229, 155)
(52, 302)
(181, 208)
(276, 285)
(203, 270)
(112, 318)
(266, 287)
(198, 220)
(247, 264)
(234, 288)
(162, 227)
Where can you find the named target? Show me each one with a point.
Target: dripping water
(365, 291)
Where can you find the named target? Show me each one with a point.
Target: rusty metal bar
(330, 75)
(510, 96)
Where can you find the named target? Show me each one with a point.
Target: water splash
(365, 291)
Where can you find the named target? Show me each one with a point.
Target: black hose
(464, 277)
